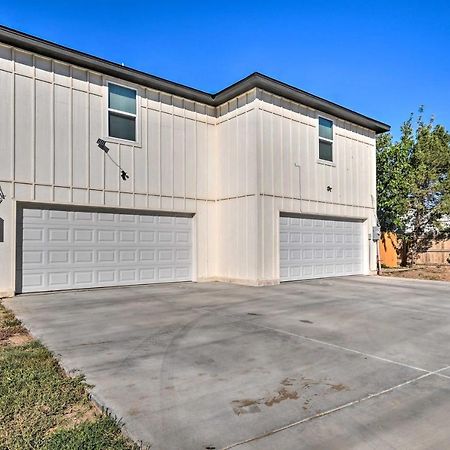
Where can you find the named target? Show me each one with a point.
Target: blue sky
(382, 58)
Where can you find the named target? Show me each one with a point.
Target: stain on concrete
(288, 381)
(204, 361)
(290, 389)
(281, 395)
(284, 392)
(245, 406)
(133, 412)
(338, 387)
(306, 321)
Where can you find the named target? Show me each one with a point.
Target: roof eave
(297, 95)
(68, 55)
(255, 80)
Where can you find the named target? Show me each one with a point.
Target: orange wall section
(388, 250)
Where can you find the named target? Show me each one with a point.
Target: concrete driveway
(357, 362)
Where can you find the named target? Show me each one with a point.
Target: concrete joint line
(338, 408)
(339, 347)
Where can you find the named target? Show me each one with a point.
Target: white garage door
(73, 249)
(317, 248)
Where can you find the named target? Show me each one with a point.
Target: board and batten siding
(237, 190)
(234, 167)
(51, 116)
(292, 180)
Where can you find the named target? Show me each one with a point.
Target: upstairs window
(121, 112)
(325, 139)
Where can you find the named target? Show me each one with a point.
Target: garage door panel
(33, 257)
(83, 278)
(106, 276)
(181, 272)
(33, 234)
(315, 248)
(106, 236)
(182, 220)
(147, 255)
(34, 280)
(58, 256)
(147, 274)
(127, 236)
(73, 249)
(147, 236)
(33, 213)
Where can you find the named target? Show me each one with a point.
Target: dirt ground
(439, 273)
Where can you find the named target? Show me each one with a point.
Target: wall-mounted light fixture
(102, 144)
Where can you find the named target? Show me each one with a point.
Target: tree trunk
(413, 251)
(404, 254)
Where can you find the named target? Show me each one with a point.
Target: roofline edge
(50, 49)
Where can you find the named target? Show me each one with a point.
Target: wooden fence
(388, 250)
(437, 254)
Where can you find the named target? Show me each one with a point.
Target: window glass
(122, 112)
(326, 151)
(122, 99)
(122, 127)
(325, 128)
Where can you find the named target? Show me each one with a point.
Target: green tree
(413, 185)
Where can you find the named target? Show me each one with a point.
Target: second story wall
(51, 115)
(288, 139)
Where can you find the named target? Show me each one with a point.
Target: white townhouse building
(256, 184)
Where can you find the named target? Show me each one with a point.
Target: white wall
(288, 138)
(51, 115)
(237, 190)
(234, 166)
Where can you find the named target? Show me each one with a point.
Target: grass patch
(41, 407)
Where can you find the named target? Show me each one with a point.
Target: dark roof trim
(297, 95)
(52, 50)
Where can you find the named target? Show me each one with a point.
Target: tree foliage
(413, 184)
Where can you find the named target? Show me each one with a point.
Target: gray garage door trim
(318, 247)
(72, 248)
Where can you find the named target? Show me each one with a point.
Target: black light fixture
(329, 188)
(102, 145)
